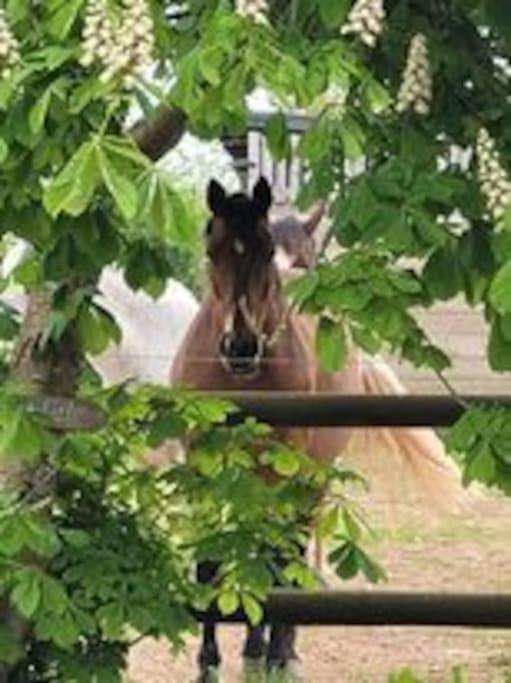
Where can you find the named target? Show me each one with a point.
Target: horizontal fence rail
(297, 410)
(332, 410)
(336, 608)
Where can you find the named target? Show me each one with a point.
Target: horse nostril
(239, 346)
(241, 353)
(225, 344)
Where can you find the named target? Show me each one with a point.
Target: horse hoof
(209, 675)
(290, 673)
(254, 670)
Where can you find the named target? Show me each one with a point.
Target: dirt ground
(469, 551)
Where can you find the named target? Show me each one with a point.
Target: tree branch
(160, 133)
(50, 373)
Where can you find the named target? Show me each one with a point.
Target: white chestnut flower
(134, 51)
(257, 10)
(124, 48)
(416, 91)
(493, 178)
(9, 48)
(332, 101)
(366, 20)
(98, 34)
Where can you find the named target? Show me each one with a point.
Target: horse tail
(406, 463)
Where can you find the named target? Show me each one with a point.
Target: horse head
(244, 278)
(295, 247)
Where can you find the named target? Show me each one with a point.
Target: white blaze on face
(229, 323)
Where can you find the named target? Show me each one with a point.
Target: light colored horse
(407, 464)
(152, 329)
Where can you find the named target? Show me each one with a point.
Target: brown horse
(246, 338)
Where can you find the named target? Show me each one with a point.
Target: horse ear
(216, 197)
(315, 217)
(262, 196)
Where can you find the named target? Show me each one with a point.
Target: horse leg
(282, 656)
(254, 653)
(209, 654)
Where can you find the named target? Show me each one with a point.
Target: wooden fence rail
(331, 410)
(342, 608)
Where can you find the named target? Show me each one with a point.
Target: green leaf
(76, 538)
(63, 14)
(208, 463)
(499, 15)
(37, 115)
(228, 602)
(328, 523)
(17, 10)
(126, 148)
(12, 537)
(352, 528)
(210, 62)
(168, 426)
(352, 138)
(64, 631)
(88, 90)
(482, 468)
(286, 462)
(20, 437)
(333, 12)
(369, 568)
(331, 345)
(277, 136)
(164, 212)
(96, 329)
(26, 595)
(9, 326)
(443, 275)
(500, 290)
(54, 596)
(4, 151)
(252, 609)
(72, 190)
(11, 650)
(303, 288)
(499, 350)
(344, 560)
(111, 618)
(505, 326)
(119, 184)
(40, 537)
(377, 96)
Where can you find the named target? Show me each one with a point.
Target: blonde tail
(407, 461)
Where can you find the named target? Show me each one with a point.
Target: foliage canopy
(85, 191)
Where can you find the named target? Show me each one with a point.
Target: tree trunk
(52, 372)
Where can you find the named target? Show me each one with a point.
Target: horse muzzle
(241, 354)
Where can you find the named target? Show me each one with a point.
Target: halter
(270, 341)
